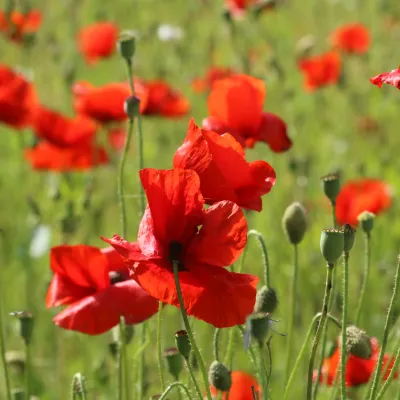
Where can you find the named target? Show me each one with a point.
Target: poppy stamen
(175, 254)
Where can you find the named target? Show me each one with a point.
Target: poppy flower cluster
(16, 26)
(241, 388)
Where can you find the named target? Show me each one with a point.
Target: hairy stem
(343, 351)
(367, 265)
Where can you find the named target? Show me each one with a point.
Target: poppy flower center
(116, 277)
(175, 254)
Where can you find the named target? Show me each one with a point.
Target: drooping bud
(127, 45)
(173, 362)
(349, 234)
(78, 385)
(18, 394)
(331, 186)
(131, 107)
(183, 344)
(219, 376)
(266, 300)
(294, 223)
(358, 342)
(366, 220)
(258, 324)
(332, 244)
(26, 320)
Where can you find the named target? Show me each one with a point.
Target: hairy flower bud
(266, 300)
(294, 223)
(183, 344)
(259, 324)
(332, 244)
(358, 342)
(366, 220)
(219, 376)
(173, 361)
(331, 186)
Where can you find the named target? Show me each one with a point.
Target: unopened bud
(294, 223)
(173, 361)
(366, 220)
(25, 319)
(219, 376)
(183, 344)
(358, 342)
(331, 186)
(131, 107)
(349, 234)
(78, 384)
(332, 244)
(266, 300)
(127, 45)
(259, 324)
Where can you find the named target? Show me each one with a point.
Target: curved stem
(172, 386)
(122, 364)
(159, 347)
(321, 325)
(390, 377)
(189, 331)
(389, 316)
(261, 241)
(367, 265)
(343, 351)
(216, 343)
(194, 380)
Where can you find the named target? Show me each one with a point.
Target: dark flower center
(175, 254)
(116, 277)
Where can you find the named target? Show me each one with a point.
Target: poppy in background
(351, 38)
(17, 98)
(237, 8)
(361, 195)
(116, 138)
(17, 25)
(241, 387)
(224, 173)
(202, 243)
(320, 71)
(96, 289)
(213, 74)
(236, 104)
(98, 41)
(391, 78)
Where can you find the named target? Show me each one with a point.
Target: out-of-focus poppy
(361, 195)
(224, 173)
(320, 71)
(241, 387)
(213, 74)
(237, 8)
(96, 293)
(351, 38)
(358, 370)
(17, 98)
(116, 138)
(391, 78)
(236, 104)
(210, 292)
(98, 41)
(17, 25)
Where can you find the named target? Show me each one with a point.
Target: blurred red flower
(17, 25)
(391, 78)
(170, 231)
(98, 41)
(238, 7)
(358, 370)
(116, 138)
(17, 98)
(320, 71)
(241, 387)
(224, 173)
(236, 104)
(96, 289)
(351, 38)
(213, 74)
(361, 195)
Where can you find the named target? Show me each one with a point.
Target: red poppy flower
(95, 292)
(235, 106)
(17, 98)
(237, 8)
(351, 38)
(391, 78)
(20, 24)
(98, 41)
(241, 387)
(170, 231)
(63, 131)
(320, 71)
(361, 195)
(358, 370)
(224, 173)
(116, 138)
(212, 75)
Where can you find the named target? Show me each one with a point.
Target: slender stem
(189, 330)
(343, 351)
(123, 380)
(321, 325)
(367, 265)
(262, 373)
(174, 385)
(390, 377)
(193, 378)
(229, 351)
(28, 370)
(261, 241)
(216, 343)
(3, 356)
(292, 311)
(334, 222)
(389, 316)
(159, 347)
(252, 356)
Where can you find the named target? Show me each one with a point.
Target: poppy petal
(273, 131)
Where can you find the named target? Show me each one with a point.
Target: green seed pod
(219, 376)
(183, 344)
(25, 324)
(332, 244)
(266, 300)
(131, 107)
(366, 220)
(127, 45)
(358, 342)
(259, 326)
(331, 186)
(294, 223)
(173, 362)
(349, 234)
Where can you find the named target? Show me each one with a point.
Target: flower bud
(78, 384)
(349, 234)
(131, 107)
(266, 300)
(366, 220)
(18, 394)
(331, 186)
(25, 325)
(173, 361)
(127, 45)
(219, 376)
(183, 344)
(259, 324)
(358, 342)
(332, 244)
(294, 223)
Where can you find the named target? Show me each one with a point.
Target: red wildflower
(361, 195)
(238, 7)
(391, 78)
(170, 231)
(351, 38)
(235, 105)
(98, 41)
(96, 293)
(17, 98)
(17, 24)
(224, 173)
(321, 70)
(241, 387)
(116, 138)
(212, 75)
(358, 370)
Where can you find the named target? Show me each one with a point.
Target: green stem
(172, 386)
(292, 311)
(3, 357)
(334, 222)
(262, 373)
(28, 368)
(141, 363)
(189, 330)
(229, 351)
(216, 343)
(159, 347)
(78, 387)
(261, 241)
(343, 351)
(321, 325)
(193, 378)
(252, 356)
(123, 381)
(367, 265)
(389, 316)
(390, 377)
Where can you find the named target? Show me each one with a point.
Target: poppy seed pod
(183, 344)
(259, 326)
(25, 324)
(349, 234)
(266, 300)
(332, 244)
(331, 186)
(294, 223)
(173, 361)
(219, 376)
(366, 220)
(358, 342)
(127, 45)
(131, 107)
